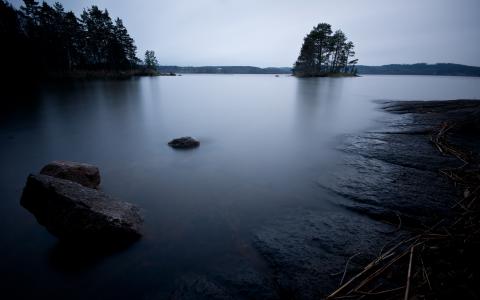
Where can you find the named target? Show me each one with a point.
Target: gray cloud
(270, 32)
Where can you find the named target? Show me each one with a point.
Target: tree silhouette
(150, 60)
(323, 53)
(46, 39)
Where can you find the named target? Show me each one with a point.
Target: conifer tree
(323, 53)
(150, 60)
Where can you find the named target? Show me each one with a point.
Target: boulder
(84, 174)
(185, 142)
(75, 213)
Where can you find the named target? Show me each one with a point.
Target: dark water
(264, 139)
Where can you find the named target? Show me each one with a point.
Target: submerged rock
(185, 142)
(199, 287)
(84, 174)
(74, 212)
(307, 250)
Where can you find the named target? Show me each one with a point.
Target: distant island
(442, 69)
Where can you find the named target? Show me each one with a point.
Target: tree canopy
(150, 60)
(325, 52)
(45, 39)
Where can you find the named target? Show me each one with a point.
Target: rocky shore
(391, 235)
(403, 182)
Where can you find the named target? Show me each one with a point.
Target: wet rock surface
(308, 250)
(388, 191)
(185, 142)
(76, 213)
(195, 286)
(390, 174)
(395, 169)
(240, 282)
(84, 174)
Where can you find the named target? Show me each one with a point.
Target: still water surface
(264, 141)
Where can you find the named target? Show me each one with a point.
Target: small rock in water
(185, 142)
(84, 174)
(73, 212)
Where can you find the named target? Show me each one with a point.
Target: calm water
(264, 142)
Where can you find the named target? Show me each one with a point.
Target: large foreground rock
(73, 212)
(185, 142)
(84, 174)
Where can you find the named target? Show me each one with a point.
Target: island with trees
(41, 41)
(325, 53)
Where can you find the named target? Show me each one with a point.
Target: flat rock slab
(307, 250)
(185, 142)
(84, 174)
(73, 212)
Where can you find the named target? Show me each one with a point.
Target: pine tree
(31, 10)
(126, 44)
(74, 42)
(346, 54)
(150, 60)
(323, 53)
(338, 41)
(47, 39)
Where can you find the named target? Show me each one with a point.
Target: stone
(185, 142)
(75, 213)
(84, 174)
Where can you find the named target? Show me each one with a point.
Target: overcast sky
(270, 32)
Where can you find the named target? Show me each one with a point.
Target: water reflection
(265, 140)
(78, 257)
(321, 107)
(316, 100)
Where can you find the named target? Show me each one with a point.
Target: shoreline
(105, 74)
(391, 195)
(323, 74)
(435, 259)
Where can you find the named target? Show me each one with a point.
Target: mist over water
(264, 142)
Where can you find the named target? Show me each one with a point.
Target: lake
(264, 142)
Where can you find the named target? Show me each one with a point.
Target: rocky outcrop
(84, 174)
(185, 142)
(74, 212)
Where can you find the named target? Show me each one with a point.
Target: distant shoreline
(103, 74)
(414, 69)
(440, 69)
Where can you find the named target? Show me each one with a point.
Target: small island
(325, 54)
